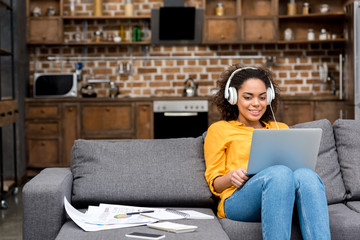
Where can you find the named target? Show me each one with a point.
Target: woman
(246, 100)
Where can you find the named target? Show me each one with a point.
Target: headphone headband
(231, 93)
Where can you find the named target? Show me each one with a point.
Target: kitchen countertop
(169, 98)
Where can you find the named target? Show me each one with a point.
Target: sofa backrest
(327, 166)
(347, 135)
(157, 172)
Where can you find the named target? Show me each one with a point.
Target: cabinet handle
(42, 128)
(70, 109)
(3, 114)
(42, 144)
(222, 36)
(42, 111)
(107, 109)
(260, 37)
(286, 107)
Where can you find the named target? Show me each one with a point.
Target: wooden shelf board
(339, 40)
(314, 15)
(106, 17)
(107, 43)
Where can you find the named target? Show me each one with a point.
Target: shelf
(339, 40)
(314, 15)
(143, 17)
(108, 43)
(72, 43)
(4, 52)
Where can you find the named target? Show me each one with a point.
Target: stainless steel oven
(181, 118)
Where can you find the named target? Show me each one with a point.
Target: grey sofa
(170, 173)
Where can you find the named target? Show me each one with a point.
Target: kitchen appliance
(190, 88)
(55, 85)
(180, 118)
(176, 25)
(352, 61)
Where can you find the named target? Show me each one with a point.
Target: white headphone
(231, 93)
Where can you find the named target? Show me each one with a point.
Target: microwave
(55, 85)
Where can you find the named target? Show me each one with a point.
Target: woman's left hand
(239, 177)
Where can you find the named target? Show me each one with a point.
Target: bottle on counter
(219, 10)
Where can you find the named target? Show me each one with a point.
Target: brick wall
(296, 66)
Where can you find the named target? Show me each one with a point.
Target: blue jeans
(269, 197)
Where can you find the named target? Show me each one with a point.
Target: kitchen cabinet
(292, 110)
(265, 21)
(242, 21)
(43, 135)
(44, 28)
(52, 126)
(332, 21)
(63, 28)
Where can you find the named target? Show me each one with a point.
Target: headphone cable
(274, 116)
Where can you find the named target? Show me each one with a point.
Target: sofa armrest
(43, 203)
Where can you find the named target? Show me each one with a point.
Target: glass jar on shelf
(310, 35)
(305, 8)
(219, 10)
(323, 34)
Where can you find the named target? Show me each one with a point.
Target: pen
(133, 213)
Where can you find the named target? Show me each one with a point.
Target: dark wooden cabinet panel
(70, 131)
(42, 152)
(221, 30)
(259, 29)
(293, 112)
(107, 120)
(144, 120)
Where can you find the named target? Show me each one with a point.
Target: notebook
(172, 214)
(294, 148)
(173, 227)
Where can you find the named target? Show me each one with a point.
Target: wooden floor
(11, 218)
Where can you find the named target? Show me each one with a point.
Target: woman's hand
(238, 177)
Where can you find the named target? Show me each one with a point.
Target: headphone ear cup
(232, 96)
(270, 95)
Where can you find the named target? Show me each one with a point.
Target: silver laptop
(294, 148)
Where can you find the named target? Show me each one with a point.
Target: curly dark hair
(231, 112)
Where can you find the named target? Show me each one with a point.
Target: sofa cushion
(207, 229)
(347, 135)
(327, 165)
(237, 230)
(344, 222)
(354, 205)
(162, 172)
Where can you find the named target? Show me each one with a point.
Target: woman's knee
(280, 175)
(307, 177)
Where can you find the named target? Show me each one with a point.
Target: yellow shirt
(227, 147)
